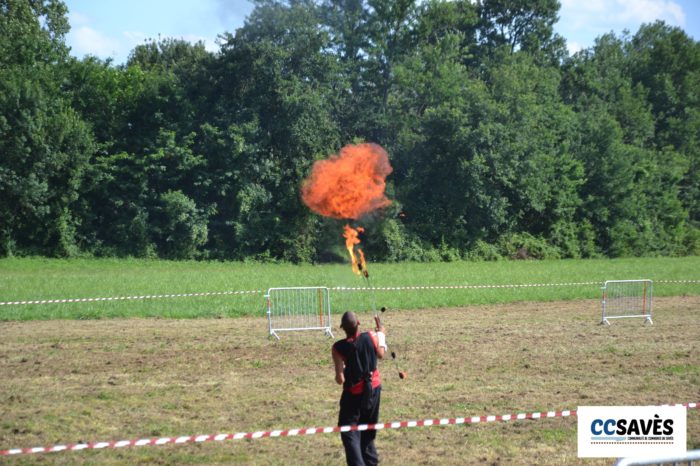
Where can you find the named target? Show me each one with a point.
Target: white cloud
(590, 13)
(646, 11)
(209, 43)
(573, 47)
(134, 38)
(232, 13)
(78, 19)
(86, 40)
(581, 22)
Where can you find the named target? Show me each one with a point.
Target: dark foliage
(502, 145)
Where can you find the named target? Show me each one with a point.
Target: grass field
(114, 379)
(95, 371)
(38, 279)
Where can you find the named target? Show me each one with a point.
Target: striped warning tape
(130, 298)
(295, 432)
(336, 288)
(459, 287)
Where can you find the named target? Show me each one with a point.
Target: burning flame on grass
(349, 185)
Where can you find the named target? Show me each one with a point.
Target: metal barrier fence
(298, 308)
(688, 458)
(627, 298)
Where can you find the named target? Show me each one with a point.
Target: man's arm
(381, 351)
(339, 366)
(381, 335)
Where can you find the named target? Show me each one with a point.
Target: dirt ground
(101, 380)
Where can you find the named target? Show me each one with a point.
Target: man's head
(349, 323)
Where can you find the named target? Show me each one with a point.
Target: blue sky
(108, 28)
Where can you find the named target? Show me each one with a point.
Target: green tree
(44, 145)
(528, 146)
(147, 205)
(186, 69)
(116, 216)
(438, 19)
(631, 194)
(138, 112)
(276, 79)
(499, 142)
(367, 38)
(179, 226)
(526, 25)
(666, 62)
(480, 159)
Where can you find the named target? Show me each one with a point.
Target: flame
(352, 240)
(348, 185)
(363, 263)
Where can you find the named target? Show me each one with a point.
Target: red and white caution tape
(476, 287)
(458, 287)
(336, 288)
(294, 432)
(130, 298)
(677, 281)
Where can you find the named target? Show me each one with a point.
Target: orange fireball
(348, 185)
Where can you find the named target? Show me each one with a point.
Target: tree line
(502, 144)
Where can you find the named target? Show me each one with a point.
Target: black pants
(359, 445)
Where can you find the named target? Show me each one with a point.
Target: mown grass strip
(50, 279)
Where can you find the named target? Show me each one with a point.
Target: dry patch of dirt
(83, 381)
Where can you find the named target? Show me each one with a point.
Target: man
(355, 360)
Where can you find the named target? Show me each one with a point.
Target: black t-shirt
(359, 354)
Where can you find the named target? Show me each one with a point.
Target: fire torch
(359, 267)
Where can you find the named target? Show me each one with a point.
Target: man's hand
(381, 335)
(339, 365)
(379, 327)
